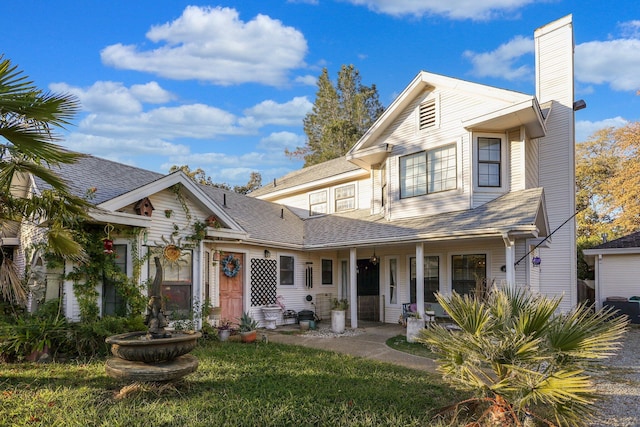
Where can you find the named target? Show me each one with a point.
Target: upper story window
(427, 114)
(345, 198)
(429, 172)
(318, 203)
(442, 167)
(489, 161)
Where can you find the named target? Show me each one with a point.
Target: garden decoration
(107, 242)
(155, 354)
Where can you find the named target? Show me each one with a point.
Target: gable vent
(428, 114)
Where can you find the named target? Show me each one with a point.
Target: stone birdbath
(155, 354)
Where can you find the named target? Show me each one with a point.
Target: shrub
(522, 358)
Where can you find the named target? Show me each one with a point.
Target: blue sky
(225, 86)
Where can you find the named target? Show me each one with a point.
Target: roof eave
(526, 113)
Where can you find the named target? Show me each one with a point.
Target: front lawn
(235, 385)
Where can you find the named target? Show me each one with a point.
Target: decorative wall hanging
(230, 266)
(144, 207)
(107, 243)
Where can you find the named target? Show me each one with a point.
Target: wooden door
(231, 290)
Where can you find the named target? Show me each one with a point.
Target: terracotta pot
(248, 336)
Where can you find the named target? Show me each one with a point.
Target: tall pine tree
(341, 114)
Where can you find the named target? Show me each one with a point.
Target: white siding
(299, 203)
(517, 160)
(554, 61)
(531, 154)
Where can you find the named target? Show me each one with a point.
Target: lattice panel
(264, 281)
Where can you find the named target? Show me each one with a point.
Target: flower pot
(249, 336)
(223, 334)
(414, 326)
(304, 325)
(337, 321)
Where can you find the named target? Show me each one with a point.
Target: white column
(420, 278)
(510, 258)
(353, 287)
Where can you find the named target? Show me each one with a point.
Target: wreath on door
(230, 266)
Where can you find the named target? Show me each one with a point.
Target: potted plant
(415, 324)
(248, 326)
(338, 312)
(224, 330)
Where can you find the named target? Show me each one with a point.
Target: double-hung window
(430, 171)
(286, 270)
(489, 160)
(345, 198)
(318, 203)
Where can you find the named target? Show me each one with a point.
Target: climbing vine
(100, 267)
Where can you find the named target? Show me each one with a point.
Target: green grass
(399, 342)
(235, 385)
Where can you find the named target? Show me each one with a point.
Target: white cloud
(197, 121)
(279, 141)
(585, 128)
(112, 148)
(152, 93)
(214, 45)
(612, 62)
(307, 80)
(630, 29)
(501, 62)
(103, 96)
(455, 9)
(271, 113)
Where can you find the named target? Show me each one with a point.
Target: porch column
(420, 278)
(353, 286)
(510, 258)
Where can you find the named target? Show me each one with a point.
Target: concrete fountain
(155, 354)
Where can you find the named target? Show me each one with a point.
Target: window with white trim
(345, 198)
(489, 161)
(431, 278)
(469, 273)
(430, 171)
(413, 175)
(286, 270)
(318, 203)
(442, 167)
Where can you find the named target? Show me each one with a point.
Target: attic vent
(428, 114)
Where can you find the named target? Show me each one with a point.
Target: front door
(368, 290)
(231, 288)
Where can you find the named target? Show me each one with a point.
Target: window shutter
(428, 114)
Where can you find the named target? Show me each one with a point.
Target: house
(617, 267)
(476, 182)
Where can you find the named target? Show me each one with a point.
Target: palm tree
(520, 358)
(27, 147)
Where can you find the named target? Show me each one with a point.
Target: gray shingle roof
(630, 241)
(111, 179)
(514, 209)
(261, 219)
(275, 224)
(306, 175)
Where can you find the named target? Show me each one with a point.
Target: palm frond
(11, 287)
